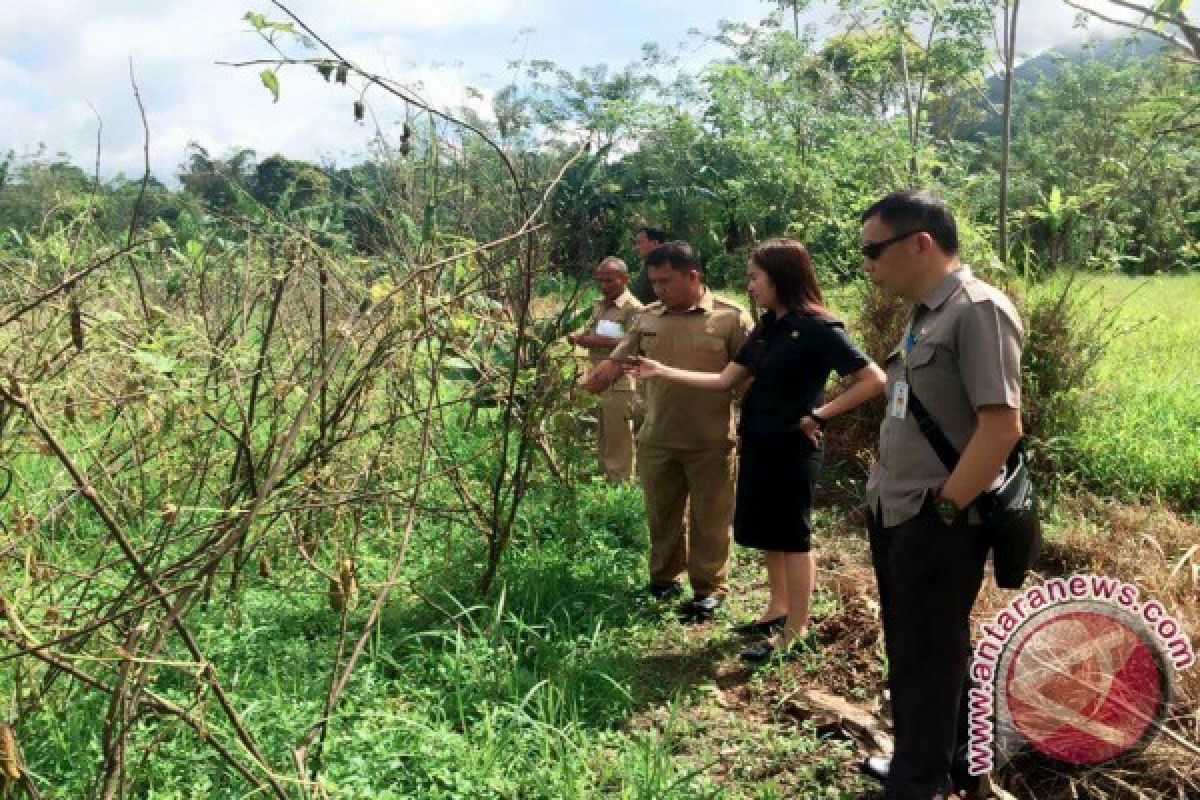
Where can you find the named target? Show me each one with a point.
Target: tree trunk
(1011, 7)
(909, 110)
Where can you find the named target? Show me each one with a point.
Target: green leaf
(456, 368)
(259, 21)
(1055, 204)
(271, 81)
(155, 361)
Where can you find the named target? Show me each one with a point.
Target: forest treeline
(780, 133)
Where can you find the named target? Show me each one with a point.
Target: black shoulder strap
(937, 440)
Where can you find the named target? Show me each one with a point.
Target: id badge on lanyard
(898, 402)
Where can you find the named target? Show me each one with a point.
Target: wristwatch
(948, 510)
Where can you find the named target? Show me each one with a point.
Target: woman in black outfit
(790, 354)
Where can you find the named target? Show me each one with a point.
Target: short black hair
(652, 233)
(679, 256)
(918, 210)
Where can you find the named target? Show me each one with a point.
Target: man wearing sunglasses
(958, 364)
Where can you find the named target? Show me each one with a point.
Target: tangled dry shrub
(1064, 342)
(280, 412)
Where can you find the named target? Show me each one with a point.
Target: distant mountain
(1119, 49)
(1048, 65)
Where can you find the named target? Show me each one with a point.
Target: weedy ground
(566, 682)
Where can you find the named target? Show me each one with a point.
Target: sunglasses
(874, 250)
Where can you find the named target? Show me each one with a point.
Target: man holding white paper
(610, 321)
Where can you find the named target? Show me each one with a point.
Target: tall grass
(1140, 437)
(528, 692)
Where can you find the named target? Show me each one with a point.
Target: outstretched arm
(603, 376)
(595, 340)
(733, 374)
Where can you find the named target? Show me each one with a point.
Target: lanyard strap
(910, 337)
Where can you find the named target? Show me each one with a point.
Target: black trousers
(929, 574)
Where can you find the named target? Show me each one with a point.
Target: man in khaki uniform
(611, 320)
(686, 444)
(959, 365)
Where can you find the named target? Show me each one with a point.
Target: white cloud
(61, 58)
(1042, 24)
(77, 53)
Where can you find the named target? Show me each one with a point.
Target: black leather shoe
(664, 591)
(876, 767)
(764, 628)
(699, 609)
(966, 785)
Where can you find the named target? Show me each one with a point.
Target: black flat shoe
(759, 654)
(762, 653)
(764, 628)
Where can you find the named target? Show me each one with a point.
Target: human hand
(810, 428)
(603, 376)
(642, 367)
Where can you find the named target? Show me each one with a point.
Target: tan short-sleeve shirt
(621, 311)
(704, 338)
(964, 354)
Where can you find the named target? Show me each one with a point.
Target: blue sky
(64, 65)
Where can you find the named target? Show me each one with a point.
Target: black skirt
(775, 483)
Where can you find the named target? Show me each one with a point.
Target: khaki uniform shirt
(964, 353)
(704, 338)
(622, 311)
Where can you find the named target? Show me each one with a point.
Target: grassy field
(1141, 434)
(565, 683)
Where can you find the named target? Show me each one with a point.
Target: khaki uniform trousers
(615, 435)
(698, 485)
